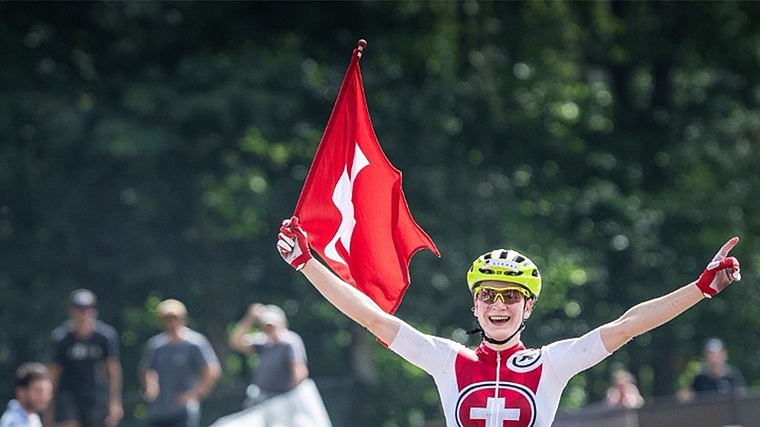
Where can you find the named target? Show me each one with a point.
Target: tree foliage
(150, 150)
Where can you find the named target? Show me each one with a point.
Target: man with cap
(280, 352)
(85, 368)
(716, 376)
(178, 369)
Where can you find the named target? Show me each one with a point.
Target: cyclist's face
(501, 307)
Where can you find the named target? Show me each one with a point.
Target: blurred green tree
(150, 150)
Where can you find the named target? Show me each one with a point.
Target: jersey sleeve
(57, 353)
(112, 342)
(736, 376)
(298, 348)
(207, 351)
(146, 361)
(432, 354)
(571, 356)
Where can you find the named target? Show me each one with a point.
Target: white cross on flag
(352, 206)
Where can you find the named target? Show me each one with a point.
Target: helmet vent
(495, 272)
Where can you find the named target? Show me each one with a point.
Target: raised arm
(237, 339)
(294, 248)
(643, 317)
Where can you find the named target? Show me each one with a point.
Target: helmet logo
(503, 263)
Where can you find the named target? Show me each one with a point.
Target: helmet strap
(493, 341)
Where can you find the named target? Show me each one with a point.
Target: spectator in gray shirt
(280, 352)
(178, 369)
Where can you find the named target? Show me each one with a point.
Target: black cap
(83, 298)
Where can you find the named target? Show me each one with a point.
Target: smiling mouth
(499, 320)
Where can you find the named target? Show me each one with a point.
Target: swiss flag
(352, 206)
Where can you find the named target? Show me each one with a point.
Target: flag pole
(360, 47)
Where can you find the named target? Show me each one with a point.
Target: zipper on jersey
(496, 389)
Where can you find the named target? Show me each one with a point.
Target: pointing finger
(726, 248)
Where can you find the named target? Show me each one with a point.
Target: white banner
(300, 407)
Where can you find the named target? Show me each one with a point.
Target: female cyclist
(501, 380)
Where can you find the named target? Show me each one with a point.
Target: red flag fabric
(352, 206)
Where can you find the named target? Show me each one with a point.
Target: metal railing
(339, 397)
(704, 411)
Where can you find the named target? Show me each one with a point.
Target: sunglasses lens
(486, 295)
(507, 296)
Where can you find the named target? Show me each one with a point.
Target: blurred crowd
(715, 377)
(81, 384)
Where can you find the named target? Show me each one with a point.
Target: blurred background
(149, 150)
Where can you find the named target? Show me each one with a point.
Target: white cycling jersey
(482, 387)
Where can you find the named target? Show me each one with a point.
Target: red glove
(293, 243)
(720, 272)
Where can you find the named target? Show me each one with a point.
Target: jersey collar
(488, 355)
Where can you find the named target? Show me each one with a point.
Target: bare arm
(299, 372)
(237, 338)
(208, 380)
(149, 383)
(648, 315)
(55, 374)
(48, 416)
(115, 409)
(206, 383)
(352, 302)
(293, 246)
(643, 317)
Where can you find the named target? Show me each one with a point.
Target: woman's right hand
(293, 243)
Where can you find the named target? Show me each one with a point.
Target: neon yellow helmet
(505, 266)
